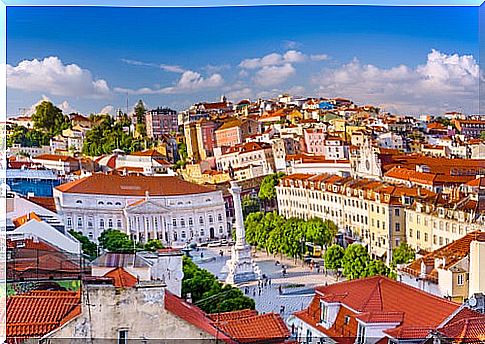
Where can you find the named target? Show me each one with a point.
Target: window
(220, 229)
(79, 201)
(396, 212)
(183, 235)
(418, 235)
(219, 217)
(426, 237)
(79, 221)
(101, 223)
(460, 279)
(398, 227)
(100, 202)
(201, 220)
(202, 232)
(211, 219)
(110, 223)
(109, 203)
(118, 223)
(122, 336)
(182, 222)
(361, 334)
(69, 222)
(323, 312)
(118, 203)
(174, 222)
(191, 221)
(308, 336)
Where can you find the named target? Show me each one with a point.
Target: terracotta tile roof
(377, 299)
(45, 202)
(148, 152)
(103, 184)
(53, 157)
(466, 330)
(227, 316)
(34, 314)
(121, 278)
(247, 147)
(409, 332)
(266, 328)
(193, 315)
(19, 221)
(231, 123)
(452, 253)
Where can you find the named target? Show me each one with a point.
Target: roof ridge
(372, 294)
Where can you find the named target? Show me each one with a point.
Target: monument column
(235, 191)
(240, 268)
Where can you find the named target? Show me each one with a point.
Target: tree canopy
(209, 294)
(250, 205)
(357, 263)
(153, 245)
(50, 119)
(108, 135)
(27, 137)
(333, 257)
(89, 248)
(114, 240)
(275, 234)
(402, 254)
(267, 190)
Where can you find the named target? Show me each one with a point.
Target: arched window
(118, 203)
(182, 222)
(101, 223)
(109, 203)
(118, 223)
(220, 229)
(191, 222)
(202, 232)
(211, 220)
(174, 222)
(79, 201)
(100, 202)
(110, 223)
(219, 217)
(201, 220)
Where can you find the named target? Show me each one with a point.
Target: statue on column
(241, 267)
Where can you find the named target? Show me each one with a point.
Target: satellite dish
(472, 301)
(178, 275)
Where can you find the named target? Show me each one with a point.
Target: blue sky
(405, 59)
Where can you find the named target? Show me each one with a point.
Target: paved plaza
(296, 287)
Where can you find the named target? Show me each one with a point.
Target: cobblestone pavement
(296, 288)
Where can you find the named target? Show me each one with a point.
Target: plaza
(296, 287)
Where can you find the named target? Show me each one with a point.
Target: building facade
(144, 207)
(161, 121)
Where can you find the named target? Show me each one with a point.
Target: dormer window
(360, 334)
(323, 312)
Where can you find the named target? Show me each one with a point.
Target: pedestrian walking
(280, 290)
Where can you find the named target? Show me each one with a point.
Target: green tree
(482, 135)
(402, 254)
(114, 240)
(250, 205)
(153, 245)
(267, 190)
(333, 257)
(50, 119)
(376, 267)
(89, 248)
(320, 232)
(355, 261)
(208, 293)
(27, 137)
(182, 148)
(140, 112)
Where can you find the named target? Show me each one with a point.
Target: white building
(144, 207)
(390, 140)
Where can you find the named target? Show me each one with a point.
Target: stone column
(235, 191)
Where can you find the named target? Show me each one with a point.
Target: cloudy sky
(90, 59)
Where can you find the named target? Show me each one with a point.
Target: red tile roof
(377, 299)
(121, 278)
(266, 328)
(34, 314)
(452, 253)
(103, 184)
(45, 202)
(467, 330)
(53, 157)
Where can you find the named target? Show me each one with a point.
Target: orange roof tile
(34, 314)
(259, 328)
(103, 184)
(121, 278)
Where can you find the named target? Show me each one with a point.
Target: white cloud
(319, 57)
(444, 82)
(274, 75)
(52, 76)
(172, 68)
(273, 59)
(289, 44)
(66, 107)
(108, 109)
(188, 82)
(240, 94)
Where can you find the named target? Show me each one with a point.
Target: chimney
(147, 195)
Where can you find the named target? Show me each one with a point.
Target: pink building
(161, 121)
(314, 141)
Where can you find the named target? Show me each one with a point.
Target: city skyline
(93, 59)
